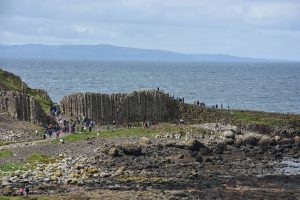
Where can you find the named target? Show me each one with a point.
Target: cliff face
(21, 106)
(132, 107)
(20, 101)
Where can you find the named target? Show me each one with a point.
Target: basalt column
(132, 107)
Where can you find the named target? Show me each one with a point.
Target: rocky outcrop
(20, 101)
(21, 106)
(132, 107)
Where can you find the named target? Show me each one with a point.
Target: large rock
(194, 145)
(266, 141)
(297, 140)
(250, 140)
(113, 152)
(131, 149)
(132, 107)
(229, 134)
(219, 148)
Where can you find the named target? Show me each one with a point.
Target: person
(26, 191)
(61, 140)
(36, 132)
(21, 191)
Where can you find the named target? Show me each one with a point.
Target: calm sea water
(271, 87)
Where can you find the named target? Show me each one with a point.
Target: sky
(250, 28)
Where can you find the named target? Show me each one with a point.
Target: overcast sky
(252, 28)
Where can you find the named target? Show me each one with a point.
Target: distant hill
(108, 52)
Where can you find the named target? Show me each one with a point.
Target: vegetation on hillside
(11, 82)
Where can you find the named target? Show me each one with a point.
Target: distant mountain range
(109, 52)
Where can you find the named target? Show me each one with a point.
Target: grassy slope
(9, 81)
(195, 114)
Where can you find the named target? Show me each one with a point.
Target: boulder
(219, 148)
(194, 145)
(7, 190)
(131, 149)
(250, 140)
(277, 138)
(266, 141)
(297, 140)
(198, 158)
(229, 134)
(205, 151)
(114, 152)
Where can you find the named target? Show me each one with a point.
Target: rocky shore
(227, 165)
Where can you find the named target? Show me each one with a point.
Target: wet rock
(278, 157)
(194, 145)
(208, 160)
(114, 152)
(219, 148)
(266, 141)
(229, 141)
(199, 158)
(131, 149)
(286, 141)
(205, 151)
(250, 140)
(296, 156)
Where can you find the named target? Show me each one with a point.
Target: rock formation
(20, 101)
(133, 107)
(21, 106)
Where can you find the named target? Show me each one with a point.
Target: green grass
(38, 96)
(9, 81)
(135, 131)
(32, 159)
(5, 153)
(195, 114)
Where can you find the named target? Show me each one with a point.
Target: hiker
(61, 140)
(36, 132)
(26, 191)
(90, 127)
(21, 191)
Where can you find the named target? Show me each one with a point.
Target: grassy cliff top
(11, 82)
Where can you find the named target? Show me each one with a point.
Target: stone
(229, 134)
(46, 180)
(297, 140)
(131, 107)
(208, 159)
(205, 151)
(266, 141)
(104, 174)
(58, 174)
(194, 145)
(53, 178)
(131, 149)
(250, 140)
(277, 138)
(7, 190)
(114, 152)
(219, 148)
(92, 170)
(296, 156)
(199, 158)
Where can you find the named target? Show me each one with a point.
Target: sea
(271, 87)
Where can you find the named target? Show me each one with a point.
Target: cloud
(237, 27)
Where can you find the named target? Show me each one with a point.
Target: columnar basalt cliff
(132, 107)
(22, 106)
(20, 101)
